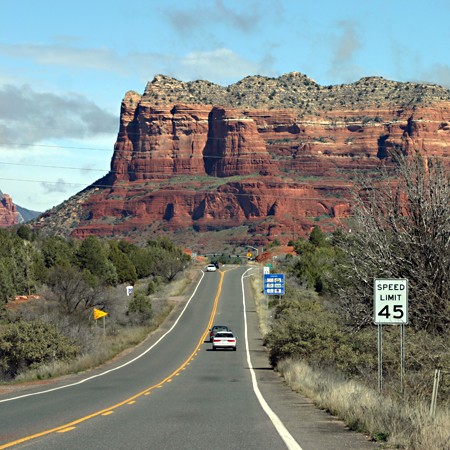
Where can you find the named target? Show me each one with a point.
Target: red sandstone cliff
(274, 155)
(8, 211)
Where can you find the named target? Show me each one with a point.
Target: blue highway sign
(274, 283)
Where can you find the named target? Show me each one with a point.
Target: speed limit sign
(390, 301)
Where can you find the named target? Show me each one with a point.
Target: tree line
(400, 229)
(72, 278)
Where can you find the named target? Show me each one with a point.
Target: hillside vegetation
(322, 337)
(294, 90)
(68, 280)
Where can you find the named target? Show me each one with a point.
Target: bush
(140, 307)
(28, 345)
(303, 329)
(151, 288)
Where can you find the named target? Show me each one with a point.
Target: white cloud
(220, 64)
(344, 48)
(439, 74)
(59, 186)
(28, 117)
(185, 21)
(63, 55)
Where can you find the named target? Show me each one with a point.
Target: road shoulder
(312, 428)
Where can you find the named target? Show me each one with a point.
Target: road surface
(174, 392)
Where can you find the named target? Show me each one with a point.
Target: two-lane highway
(177, 394)
(173, 392)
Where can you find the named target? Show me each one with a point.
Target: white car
(224, 339)
(211, 268)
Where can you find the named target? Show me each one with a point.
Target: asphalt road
(174, 392)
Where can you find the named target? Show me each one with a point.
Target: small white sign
(129, 290)
(266, 270)
(390, 301)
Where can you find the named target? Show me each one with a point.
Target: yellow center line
(66, 430)
(147, 391)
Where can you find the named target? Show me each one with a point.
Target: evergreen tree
(126, 272)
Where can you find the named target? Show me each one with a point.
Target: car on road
(224, 339)
(211, 268)
(215, 329)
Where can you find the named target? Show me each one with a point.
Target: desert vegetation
(50, 287)
(321, 335)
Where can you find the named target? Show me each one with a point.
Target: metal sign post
(390, 299)
(402, 358)
(380, 358)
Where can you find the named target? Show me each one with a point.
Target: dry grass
(113, 345)
(178, 286)
(402, 425)
(262, 310)
(399, 424)
(110, 347)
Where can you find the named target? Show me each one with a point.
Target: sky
(65, 66)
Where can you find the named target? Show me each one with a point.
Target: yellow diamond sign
(98, 313)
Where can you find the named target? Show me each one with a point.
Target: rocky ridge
(295, 90)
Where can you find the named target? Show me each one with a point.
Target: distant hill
(27, 214)
(12, 214)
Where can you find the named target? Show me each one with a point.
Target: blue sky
(65, 66)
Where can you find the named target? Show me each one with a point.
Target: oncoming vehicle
(215, 329)
(211, 268)
(224, 339)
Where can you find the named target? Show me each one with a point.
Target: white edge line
(115, 368)
(288, 439)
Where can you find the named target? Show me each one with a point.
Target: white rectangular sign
(390, 299)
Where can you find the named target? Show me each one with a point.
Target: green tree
(18, 256)
(143, 261)
(24, 232)
(317, 237)
(7, 290)
(126, 272)
(165, 243)
(140, 307)
(304, 329)
(151, 288)
(92, 255)
(316, 262)
(56, 251)
(167, 263)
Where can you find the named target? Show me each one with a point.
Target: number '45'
(397, 312)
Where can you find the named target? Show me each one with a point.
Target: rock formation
(8, 211)
(276, 155)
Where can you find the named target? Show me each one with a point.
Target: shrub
(140, 307)
(303, 329)
(28, 345)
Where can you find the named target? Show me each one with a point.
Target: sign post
(98, 314)
(390, 299)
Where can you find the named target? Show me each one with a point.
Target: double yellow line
(105, 412)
